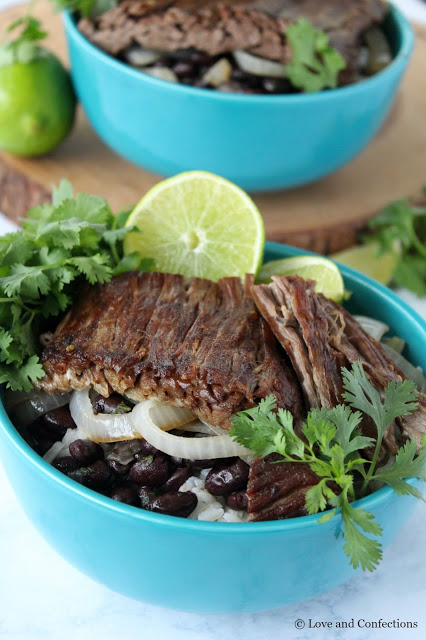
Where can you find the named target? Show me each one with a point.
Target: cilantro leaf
(400, 398)
(96, 268)
(361, 550)
(92, 8)
(315, 64)
(64, 191)
(22, 378)
(27, 281)
(406, 465)
(401, 229)
(25, 47)
(41, 269)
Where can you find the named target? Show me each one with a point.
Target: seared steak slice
(190, 342)
(257, 26)
(277, 490)
(214, 28)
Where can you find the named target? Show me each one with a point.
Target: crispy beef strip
(257, 26)
(277, 491)
(190, 342)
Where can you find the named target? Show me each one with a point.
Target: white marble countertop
(42, 597)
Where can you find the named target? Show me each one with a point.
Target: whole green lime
(37, 105)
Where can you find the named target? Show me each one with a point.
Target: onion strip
(193, 448)
(26, 406)
(259, 66)
(374, 328)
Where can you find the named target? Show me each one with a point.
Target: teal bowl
(206, 567)
(259, 142)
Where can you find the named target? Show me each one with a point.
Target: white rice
(210, 508)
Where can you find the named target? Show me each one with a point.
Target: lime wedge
(198, 224)
(325, 273)
(366, 259)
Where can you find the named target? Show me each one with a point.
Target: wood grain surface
(325, 216)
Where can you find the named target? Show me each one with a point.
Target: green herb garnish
(315, 64)
(25, 47)
(42, 268)
(331, 444)
(401, 228)
(87, 8)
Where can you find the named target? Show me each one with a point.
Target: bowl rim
(398, 63)
(377, 499)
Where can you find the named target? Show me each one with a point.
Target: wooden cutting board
(325, 216)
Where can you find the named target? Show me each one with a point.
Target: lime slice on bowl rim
(366, 258)
(325, 272)
(199, 225)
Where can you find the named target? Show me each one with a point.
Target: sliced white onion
(110, 428)
(374, 328)
(100, 427)
(198, 426)
(397, 344)
(413, 373)
(194, 448)
(139, 57)
(219, 73)
(24, 407)
(162, 73)
(259, 66)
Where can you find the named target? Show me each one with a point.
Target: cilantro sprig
(92, 8)
(401, 229)
(315, 65)
(42, 268)
(22, 41)
(331, 444)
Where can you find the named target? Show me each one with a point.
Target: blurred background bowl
(260, 142)
(206, 567)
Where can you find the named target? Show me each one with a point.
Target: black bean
(237, 500)
(178, 462)
(184, 68)
(125, 451)
(227, 478)
(53, 425)
(146, 449)
(175, 503)
(86, 451)
(275, 85)
(113, 404)
(150, 470)
(146, 495)
(119, 469)
(177, 479)
(124, 494)
(96, 476)
(60, 417)
(208, 464)
(66, 464)
(198, 57)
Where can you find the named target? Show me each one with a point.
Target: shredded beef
(220, 27)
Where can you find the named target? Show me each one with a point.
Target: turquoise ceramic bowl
(259, 142)
(206, 567)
